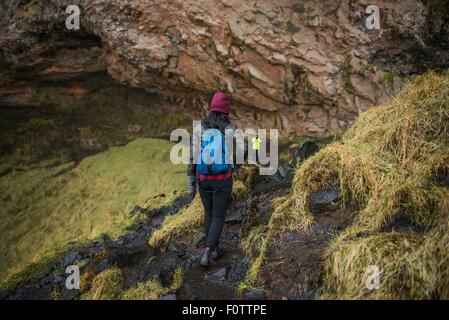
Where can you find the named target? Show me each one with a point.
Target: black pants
(215, 196)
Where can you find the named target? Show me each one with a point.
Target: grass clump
(150, 290)
(107, 285)
(153, 289)
(185, 223)
(254, 246)
(389, 162)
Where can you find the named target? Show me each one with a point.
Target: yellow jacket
(256, 143)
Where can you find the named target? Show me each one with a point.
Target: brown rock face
(305, 67)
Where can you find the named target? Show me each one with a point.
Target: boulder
(320, 200)
(218, 276)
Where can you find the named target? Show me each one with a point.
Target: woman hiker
(214, 178)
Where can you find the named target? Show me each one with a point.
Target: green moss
(388, 77)
(50, 205)
(307, 86)
(185, 224)
(45, 262)
(153, 289)
(218, 87)
(365, 70)
(347, 72)
(308, 7)
(107, 285)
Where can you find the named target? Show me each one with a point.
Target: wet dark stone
(321, 199)
(289, 236)
(443, 179)
(402, 222)
(235, 216)
(255, 295)
(177, 249)
(317, 229)
(166, 266)
(70, 258)
(238, 271)
(219, 275)
(195, 258)
(157, 221)
(103, 265)
(363, 234)
(304, 151)
(58, 279)
(168, 297)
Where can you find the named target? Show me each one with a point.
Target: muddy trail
(292, 268)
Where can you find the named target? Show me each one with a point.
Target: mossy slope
(49, 205)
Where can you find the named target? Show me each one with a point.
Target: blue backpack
(213, 154)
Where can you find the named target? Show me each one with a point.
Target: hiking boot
(204, 261)
(215, 254)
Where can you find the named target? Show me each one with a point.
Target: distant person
(256, 141)
(214, 180)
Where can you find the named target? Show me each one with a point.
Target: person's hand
(191, 184)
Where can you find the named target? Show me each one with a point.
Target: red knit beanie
(220, 103)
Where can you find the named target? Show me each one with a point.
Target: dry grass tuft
(107, 285)
(389, 163)
(185, 223)
(153, 289)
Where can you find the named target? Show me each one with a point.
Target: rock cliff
(305, 67)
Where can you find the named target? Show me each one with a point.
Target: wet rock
(288, 235)
(238, 271)
(219, 275)
(241, 204)
(235, 216)
(402, 222)
(319, 229)
(103, 265)
(304, 151)
(195, 258)
(166, 265)
(187, 264)
(168, 297)
(443, 179)
(177, 249)
(255, 295)
(58, 279)
(364, 234)
(120, 241)
(157, 222)
(321, 199)
(69, 259)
